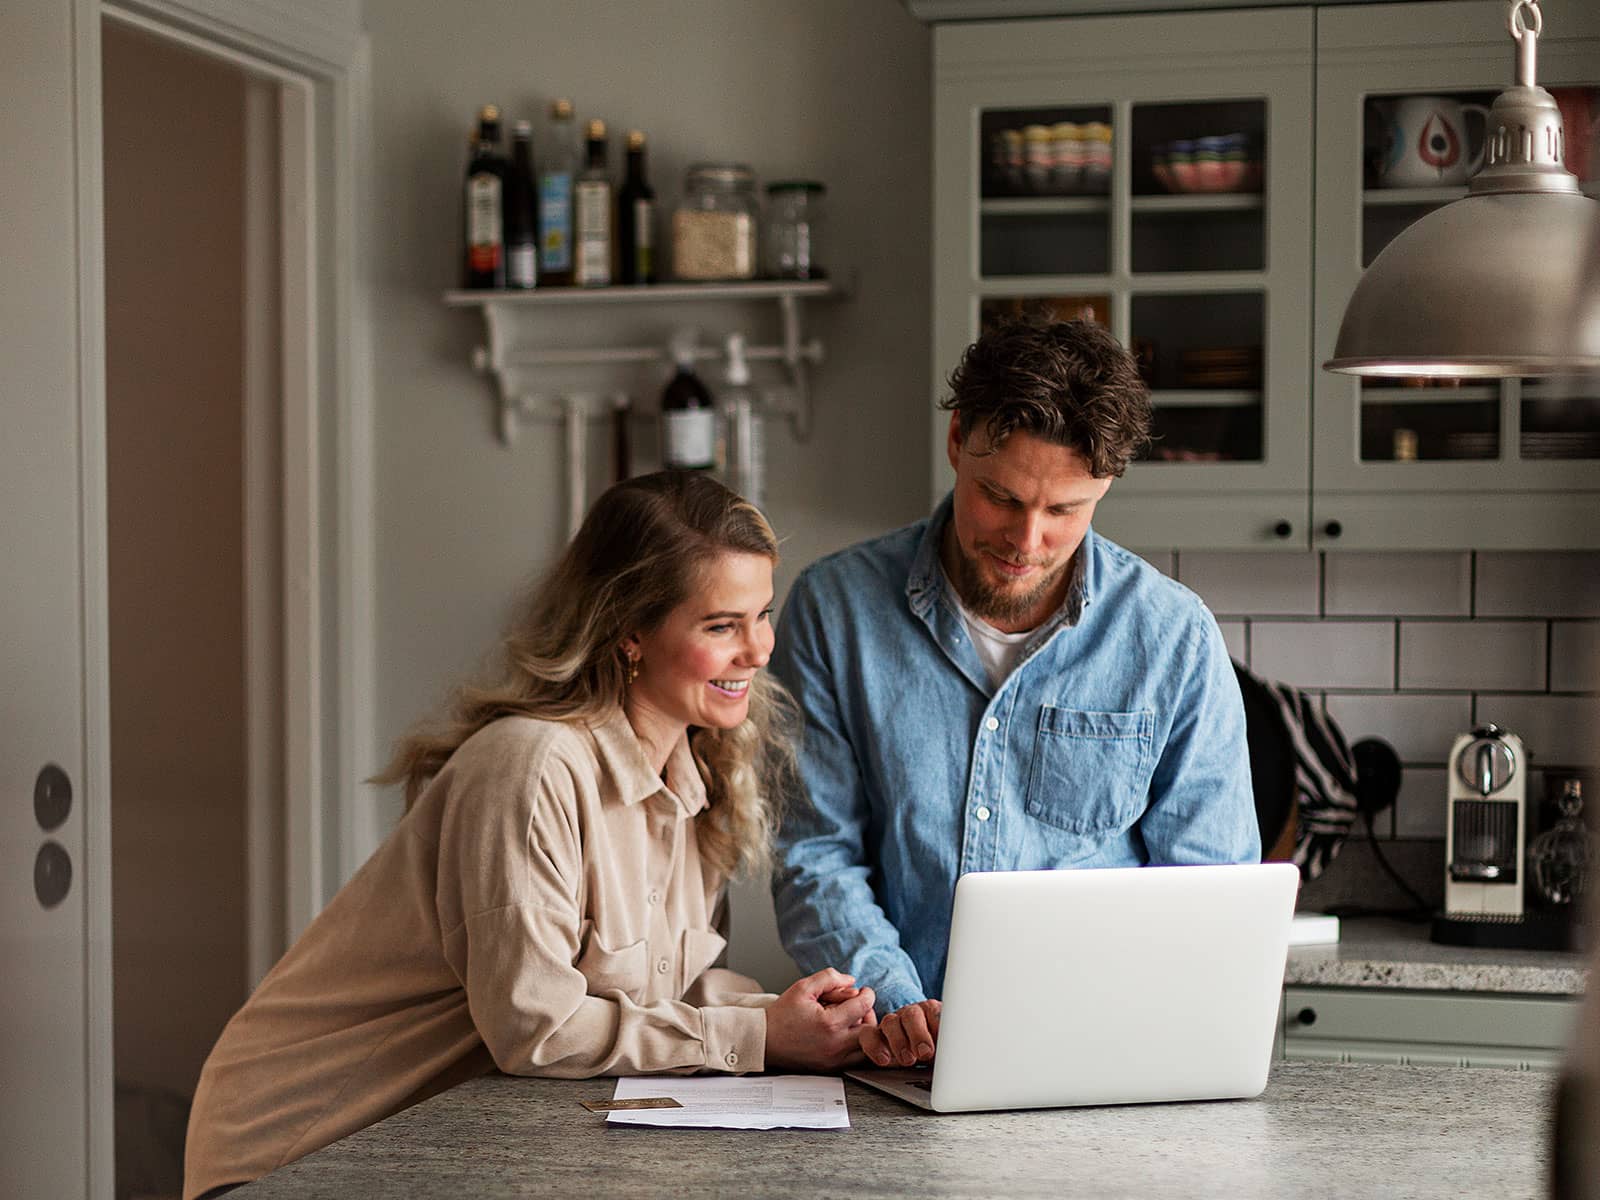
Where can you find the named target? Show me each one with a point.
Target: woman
(548, 904)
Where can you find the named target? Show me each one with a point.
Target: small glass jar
(794, 218)
(714, 225)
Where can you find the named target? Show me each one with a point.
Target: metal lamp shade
(1492, 285)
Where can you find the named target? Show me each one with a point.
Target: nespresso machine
(1486, 825)
(1484, 850)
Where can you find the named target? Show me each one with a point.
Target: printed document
(737, 1102)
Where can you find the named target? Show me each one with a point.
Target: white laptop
(1119, 986)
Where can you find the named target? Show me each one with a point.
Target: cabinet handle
(1333, 529)
(1282, 529)
(1306, 1016)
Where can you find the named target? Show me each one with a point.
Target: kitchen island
(1319, 1130)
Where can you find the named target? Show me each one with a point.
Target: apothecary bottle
(714, 225)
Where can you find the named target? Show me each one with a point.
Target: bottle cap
(522, 129)
(489, 112)
(561, 109)
(635, 140)
(597, 128)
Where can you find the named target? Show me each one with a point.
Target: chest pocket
(622, 970)
(701, 947)
(1091, 770)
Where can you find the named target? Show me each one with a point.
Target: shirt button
(991, 724)
(731, 1059)
(653, 898)
(983, 812)
(663, 967)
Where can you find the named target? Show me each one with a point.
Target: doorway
(194, 460)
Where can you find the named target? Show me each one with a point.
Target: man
(998, 688)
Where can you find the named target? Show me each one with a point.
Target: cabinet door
(1402, 463)
(1107, 168)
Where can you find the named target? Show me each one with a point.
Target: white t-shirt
(997, 651)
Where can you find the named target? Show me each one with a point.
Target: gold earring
(633, 668)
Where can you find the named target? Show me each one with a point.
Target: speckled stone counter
(1319, 1131)
(1397, 954)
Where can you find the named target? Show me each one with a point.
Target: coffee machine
(1486, 826)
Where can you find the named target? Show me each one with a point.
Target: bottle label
(555, 221)
(594, 233)
(483, 222)
(689, 438)
(522, 265)
(644, 219)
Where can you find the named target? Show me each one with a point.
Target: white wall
(836, 90)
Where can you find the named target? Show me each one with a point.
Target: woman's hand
(903, 1038)
(815, 1025)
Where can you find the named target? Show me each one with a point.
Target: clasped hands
(824, 1022)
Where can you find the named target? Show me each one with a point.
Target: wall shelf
(511, 355)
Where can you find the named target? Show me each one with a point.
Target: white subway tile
(1250, 584)
(1473, 655)
(1528, 584)
(1335, 654)
(1420, 728)
(1233, 636)
(1574, 656)
(1558, 731)
(1165, 561)
(1397, 585)
(1419, 810)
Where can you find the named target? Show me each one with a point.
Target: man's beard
(993, 604)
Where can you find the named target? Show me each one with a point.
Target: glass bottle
(521, 215)
(688, 417)
(558, 165)
(1561, 855)
(636, 218)
(485, 206)
(592, 206)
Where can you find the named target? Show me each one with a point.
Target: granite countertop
(1320, 1130)
(1375, 953)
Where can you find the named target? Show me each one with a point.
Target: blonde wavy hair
(641, 551)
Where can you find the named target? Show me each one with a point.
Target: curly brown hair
(1069, 383)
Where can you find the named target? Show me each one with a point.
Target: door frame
(323, 65)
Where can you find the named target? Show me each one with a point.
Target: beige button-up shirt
(542, 909)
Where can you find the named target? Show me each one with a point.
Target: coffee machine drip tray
(1485, 843)
(1539, 930)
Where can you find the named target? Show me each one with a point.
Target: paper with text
(751, 1102)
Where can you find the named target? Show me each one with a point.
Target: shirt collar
(927, 575)
(622, 762)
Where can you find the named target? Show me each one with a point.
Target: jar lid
(719, 175)
(796, 185)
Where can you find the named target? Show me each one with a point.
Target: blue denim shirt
(1118, 740)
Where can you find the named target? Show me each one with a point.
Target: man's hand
(814, 1024)
(905, 1037)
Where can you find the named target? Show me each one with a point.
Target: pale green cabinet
(1229, 287)
(1381, 1025)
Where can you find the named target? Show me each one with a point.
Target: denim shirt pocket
(1090, 770)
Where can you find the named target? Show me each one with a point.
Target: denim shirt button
(983, 812)
(991, 724)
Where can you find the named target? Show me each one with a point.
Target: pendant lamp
(1503, 282)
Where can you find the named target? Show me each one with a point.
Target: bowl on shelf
(1218, 164)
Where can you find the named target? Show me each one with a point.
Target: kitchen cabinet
(1425, 1028)
(1231, 297)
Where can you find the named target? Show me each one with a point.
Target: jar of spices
(789, 241)
(714, 225)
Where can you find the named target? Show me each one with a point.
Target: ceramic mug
(1425, 142)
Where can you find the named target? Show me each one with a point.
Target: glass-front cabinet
(1401, 126)
(1209, 186)
(1110, 169)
